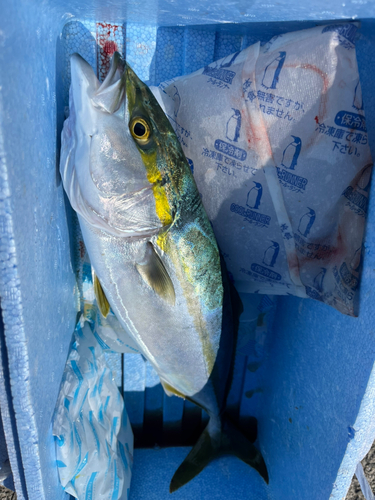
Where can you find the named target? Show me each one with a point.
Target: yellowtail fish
(152, 247)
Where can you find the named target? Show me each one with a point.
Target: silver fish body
(150, 243)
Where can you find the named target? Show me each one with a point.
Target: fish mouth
(120, 83)
(134, 87)
(115, 72)
(131, 76)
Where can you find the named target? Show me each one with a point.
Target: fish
(155, 257)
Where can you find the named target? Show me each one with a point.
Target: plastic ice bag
(277, 140)
(94, 440)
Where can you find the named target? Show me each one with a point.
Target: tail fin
(218, 438)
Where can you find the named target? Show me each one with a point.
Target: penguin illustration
(272, 71)
(365, 179)
(355, 263)
(191, 164)
(177, 101)
(270, 255)
(306, 222)
(319, 278)
(358, 100)
(291, 153)
(230, 62)
(254, 196)
(225, 63)
(234, 126)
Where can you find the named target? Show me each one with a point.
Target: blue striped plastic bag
(94, 440)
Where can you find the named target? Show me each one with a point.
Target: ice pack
(276, 137)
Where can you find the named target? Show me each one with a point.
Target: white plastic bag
(94, 440)
(277, 139)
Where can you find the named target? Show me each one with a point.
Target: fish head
(109, 165)
(148, 125)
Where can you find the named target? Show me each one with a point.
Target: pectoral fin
(153, 272)
(101, 299)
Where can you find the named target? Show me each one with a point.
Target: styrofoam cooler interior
(303, 370)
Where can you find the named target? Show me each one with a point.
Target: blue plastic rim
(306, 372)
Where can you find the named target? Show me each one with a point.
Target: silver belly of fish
(167, 336)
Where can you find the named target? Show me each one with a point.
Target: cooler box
(303, 370)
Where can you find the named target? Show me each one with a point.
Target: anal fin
(101, 298)
(171, 391)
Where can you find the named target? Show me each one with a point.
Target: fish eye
(140, 129)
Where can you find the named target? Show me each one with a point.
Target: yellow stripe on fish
(162, 207)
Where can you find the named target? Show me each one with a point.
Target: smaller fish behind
(152, 247)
